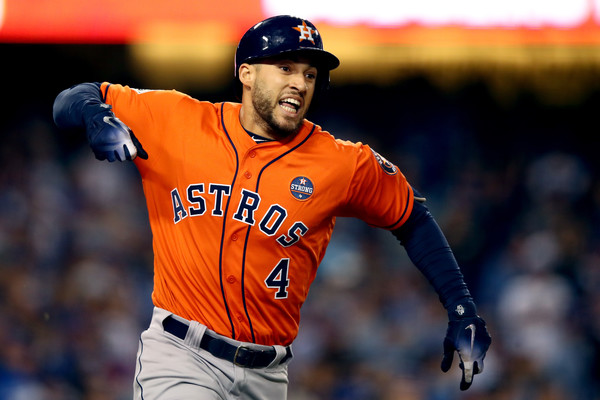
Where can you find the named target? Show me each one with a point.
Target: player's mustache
(293, 93)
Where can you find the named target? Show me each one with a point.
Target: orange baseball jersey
(239, 228)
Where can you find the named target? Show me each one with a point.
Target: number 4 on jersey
(278, 279)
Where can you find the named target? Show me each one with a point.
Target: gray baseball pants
(171, 368)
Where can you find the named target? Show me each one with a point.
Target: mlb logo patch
(301, 188)
(387, 166)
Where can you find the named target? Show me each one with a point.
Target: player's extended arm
(81, 106)
(428, 249)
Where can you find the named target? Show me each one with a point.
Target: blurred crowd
(515, 189)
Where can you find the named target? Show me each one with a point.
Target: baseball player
(242, 200)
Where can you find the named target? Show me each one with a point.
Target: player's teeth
(290, 105)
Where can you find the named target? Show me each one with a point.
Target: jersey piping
(389, 227)
(105, 93)
(237, 166)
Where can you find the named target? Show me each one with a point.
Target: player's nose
(298, 82)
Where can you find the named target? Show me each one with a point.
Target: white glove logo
(108, 120)
(472, 328)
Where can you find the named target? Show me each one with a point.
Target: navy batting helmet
(285, 34)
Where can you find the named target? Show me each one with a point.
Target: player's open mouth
(290, 105)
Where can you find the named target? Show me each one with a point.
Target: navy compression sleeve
(429, 250)
(72, 105)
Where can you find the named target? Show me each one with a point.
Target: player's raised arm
(428, 249)
(109, 138)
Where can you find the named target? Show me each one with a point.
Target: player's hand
(111, 139)
(467, 335)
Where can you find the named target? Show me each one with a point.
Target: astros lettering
(249, 203)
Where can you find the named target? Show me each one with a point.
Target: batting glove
(111, 139)
(467, 335)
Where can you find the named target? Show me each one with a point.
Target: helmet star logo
(306, 32)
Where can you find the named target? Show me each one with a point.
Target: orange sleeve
(378, 192)
(146, 112)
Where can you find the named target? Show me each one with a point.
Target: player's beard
(263, 104)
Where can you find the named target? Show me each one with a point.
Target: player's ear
(247, 73)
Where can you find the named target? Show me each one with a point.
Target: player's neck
(248, 120)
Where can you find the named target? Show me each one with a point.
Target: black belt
(239, 355)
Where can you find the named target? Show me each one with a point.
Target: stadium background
(496, 125)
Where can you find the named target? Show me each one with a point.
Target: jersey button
(231, 279)
(234, 237)
(248, 175)
(252, 154)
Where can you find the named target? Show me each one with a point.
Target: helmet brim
(320, 58)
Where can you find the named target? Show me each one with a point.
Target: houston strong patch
(301, 188)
